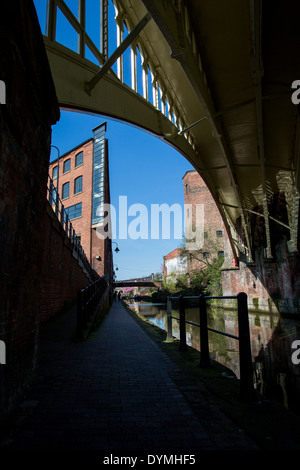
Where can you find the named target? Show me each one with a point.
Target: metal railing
(245, 356)
(89, 299)
(62, 216)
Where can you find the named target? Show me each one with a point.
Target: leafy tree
(207, 277)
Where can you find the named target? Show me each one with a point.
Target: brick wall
(196, 192)
(25, 129)
(82, 225)
(62, 274)
(92, 245)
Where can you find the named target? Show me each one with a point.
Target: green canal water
(274, 373)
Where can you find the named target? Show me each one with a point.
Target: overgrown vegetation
(205, 278)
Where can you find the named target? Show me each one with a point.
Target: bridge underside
(221, 77)
(136, 284)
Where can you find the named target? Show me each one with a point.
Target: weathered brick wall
(62, 274)
(196, 192)
(82, 225)
(25, 129)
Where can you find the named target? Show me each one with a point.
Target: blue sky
(142, 167)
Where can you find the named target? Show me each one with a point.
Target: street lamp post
(117, 249)
(58, 156)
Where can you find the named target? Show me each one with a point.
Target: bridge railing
(245, 356)
(62, 215)
(140, 73)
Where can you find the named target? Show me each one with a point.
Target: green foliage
(213, 277)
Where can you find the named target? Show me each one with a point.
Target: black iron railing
(62, 216)
(88, 303)
(245, 356)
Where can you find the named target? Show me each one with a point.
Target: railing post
(169, 320)
(182, 345)
(204, 344)
(246, 368)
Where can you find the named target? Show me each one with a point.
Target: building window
(219, 233)
(206, 255)
(78, 185)
(74, 211)
(221, 254)
(79, 159)
(205, 235)
(67, 165)
(54, 172)
(186, 189)
(65, 190)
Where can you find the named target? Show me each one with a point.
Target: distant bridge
(138, 282)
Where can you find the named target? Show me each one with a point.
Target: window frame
(76, 179)
(77, 154)
(65, 162)
(55, 168)
(67, 210)
(65, 185)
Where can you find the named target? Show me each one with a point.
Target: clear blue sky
(142, 167)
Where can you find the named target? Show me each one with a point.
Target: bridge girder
(224, 71)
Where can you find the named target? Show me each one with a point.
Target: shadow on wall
(271, 284)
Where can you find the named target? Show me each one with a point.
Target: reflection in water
(271, 339)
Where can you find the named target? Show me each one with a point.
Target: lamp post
(57, 196)
(117, 249)
(58, 156)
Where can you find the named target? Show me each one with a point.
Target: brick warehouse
(216, 241)
(82, 178)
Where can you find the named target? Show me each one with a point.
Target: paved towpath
(117, 391)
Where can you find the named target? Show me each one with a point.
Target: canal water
(272, 337)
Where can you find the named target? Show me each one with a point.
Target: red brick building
(216, 242)
(82, 178)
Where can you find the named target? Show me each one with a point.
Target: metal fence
(62, 216)
(89, 299)
(245, 356)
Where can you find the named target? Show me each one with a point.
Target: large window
(74, 211)
(98, 173)
(67, 165)
(219, 233)
(66, 190)
(79, 159)
(78, 185)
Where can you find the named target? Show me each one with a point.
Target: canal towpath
(127, 389)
